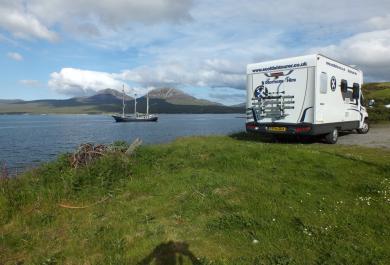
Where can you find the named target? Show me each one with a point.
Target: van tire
(332, 137)
(365, 129)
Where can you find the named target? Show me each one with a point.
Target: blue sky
(60, 48)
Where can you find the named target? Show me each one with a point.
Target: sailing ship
(136, 117)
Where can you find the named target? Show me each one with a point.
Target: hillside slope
(110, 101)
(380, 92)
(178, 97)
(210, 200)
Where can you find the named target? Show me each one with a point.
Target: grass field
(378, 91)
(203, 200)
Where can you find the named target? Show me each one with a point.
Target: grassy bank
(380, 92)
(214, 200)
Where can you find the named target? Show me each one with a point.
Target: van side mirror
(344, 86)
(355, 91)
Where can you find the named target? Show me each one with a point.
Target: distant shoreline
(43, 114)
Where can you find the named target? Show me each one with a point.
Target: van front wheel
(365, 128)
(332, 137)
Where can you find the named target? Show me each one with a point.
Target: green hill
(209, 200)
(380, 92)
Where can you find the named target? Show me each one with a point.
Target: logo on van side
(333, 83)
(279, 81)
(279, 67)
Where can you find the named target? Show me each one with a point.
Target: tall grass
(203, 200)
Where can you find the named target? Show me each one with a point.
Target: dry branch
(86, 153)
(135, 144)
(85, 206)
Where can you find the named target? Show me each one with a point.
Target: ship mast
(147, 102)
(135, 104)
(123, 101)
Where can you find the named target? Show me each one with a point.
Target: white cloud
(77, 82)
(203, 60)
(15, 56)
(370, 51)
(35, 19)
(202, 43)
(23, 25)
(30, 82)
(111, 13)
(379, 22)
(176, 74)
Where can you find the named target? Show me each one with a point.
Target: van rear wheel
(332, 137)
(365, 128)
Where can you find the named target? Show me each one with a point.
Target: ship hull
(119, 118)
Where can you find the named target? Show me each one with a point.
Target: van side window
(323, 83)
(344, 86)
(356, 92)
(344, 90)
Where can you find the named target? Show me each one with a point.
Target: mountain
(10, 100)
(108, 94)
(178, 97)
(105, 96)
(164, 100)
(240, 105)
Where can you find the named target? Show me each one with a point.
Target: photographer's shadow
(170, 253)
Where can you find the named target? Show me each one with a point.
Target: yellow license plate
(277, 129)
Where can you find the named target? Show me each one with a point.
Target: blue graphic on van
(261, 92)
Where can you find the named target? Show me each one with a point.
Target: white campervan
(306, 95)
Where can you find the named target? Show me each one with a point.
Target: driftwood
(131, 150)
(86, 153)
